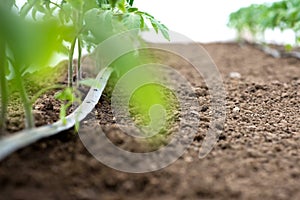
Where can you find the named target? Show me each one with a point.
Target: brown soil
(256, 157)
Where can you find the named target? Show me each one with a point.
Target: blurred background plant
(256, 19)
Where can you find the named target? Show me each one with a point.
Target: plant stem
(29, 119)
(70, 67)
(3, 88)
(79, 62)
(53, 3)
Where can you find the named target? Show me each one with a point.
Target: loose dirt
(256, 157)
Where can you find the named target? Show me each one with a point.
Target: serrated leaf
(155, 27)
(132, 21)
(165, 31)
(143, 25)
(161, 27)
(99, 23)
(25, 9)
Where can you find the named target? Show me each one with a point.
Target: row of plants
(257, 18)
(32, 34)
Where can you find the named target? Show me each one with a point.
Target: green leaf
(165, 31)
(143, 24)
(113, 3)
(132, 9)
(65, 95)
(8, 4)
(63, 50)
(65, 13)
(99, 24)
(90, 83)
(67, 33)
(130, 2)
(89, 4)
(40, 8)
(288, 47)
(77, 4)
(122, 6)
(132, 21)
(25, 9)
(155, 27)
(33, 13)
(161, 27)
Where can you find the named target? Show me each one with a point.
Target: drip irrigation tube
(18, 140)
(277, 53)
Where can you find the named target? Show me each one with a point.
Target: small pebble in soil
(235, 75)
(236, 109)
(188, 159)
(284, 95)
(195, 113)
(252, 127)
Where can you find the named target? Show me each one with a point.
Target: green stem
(70, 67)
(79, 62)
(3, 88)
(53, 3)
(26, 102)
(79, 44)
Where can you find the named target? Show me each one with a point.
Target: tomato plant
(30, 36)
(258, 18)
(24, 45)
(88, 22)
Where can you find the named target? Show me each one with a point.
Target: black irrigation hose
(11, 143)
